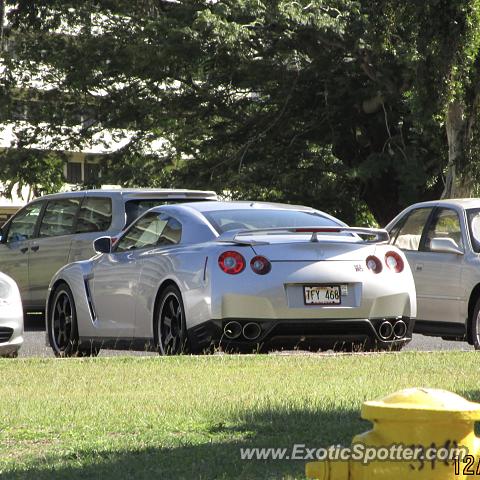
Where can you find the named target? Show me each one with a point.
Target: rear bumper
(301, 333)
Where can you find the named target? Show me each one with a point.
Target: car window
(473, 216)
(59, 217)
(95, 215)
(410, 233)
(22, 227)
(225, 220)
(154, 229)
(136, 208)
(446, 224)
(172, 233)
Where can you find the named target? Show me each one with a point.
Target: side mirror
(445, 245)
(103, 245)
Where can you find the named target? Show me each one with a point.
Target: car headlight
(6, 293)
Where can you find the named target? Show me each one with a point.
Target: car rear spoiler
(231, 236)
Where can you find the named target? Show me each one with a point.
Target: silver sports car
(239, 276)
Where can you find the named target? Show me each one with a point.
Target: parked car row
(58, 229)
(55, 230)
(179, 271)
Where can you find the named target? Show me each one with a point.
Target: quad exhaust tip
(232, 330)
(400, 329)
(385, 331)
(251, 331)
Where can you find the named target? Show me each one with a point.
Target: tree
(446, 39)
(331, 103)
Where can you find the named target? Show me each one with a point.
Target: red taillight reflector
(231, 262)
(260, 265)
(394, 262)
(374, 264)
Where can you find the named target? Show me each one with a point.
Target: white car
(247, 276)
(11, 317)
(441, 240)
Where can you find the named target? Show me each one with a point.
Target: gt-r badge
(358, 268)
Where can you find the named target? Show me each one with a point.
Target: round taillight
(231, 262)
(260, 265)
(374, 264)
(394, 262)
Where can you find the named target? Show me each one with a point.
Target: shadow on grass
(219, 459)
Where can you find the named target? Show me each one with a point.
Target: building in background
(8, 206)
(81, 169)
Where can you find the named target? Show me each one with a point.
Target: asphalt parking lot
(34, 345)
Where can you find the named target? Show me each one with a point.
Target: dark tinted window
(92, 172)
(136, 208)
(59, 217)
(22, 227)
(74, 172)
(224, 220)
(95, 215)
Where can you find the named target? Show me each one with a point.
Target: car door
(15, 247)
(157, 263)
(50, 250)
(407, 235)
(437, 274)
(94, 220)
(115, 283)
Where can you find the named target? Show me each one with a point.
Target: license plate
(322, 295)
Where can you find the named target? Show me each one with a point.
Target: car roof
(450, 202)
(242, 205)
(202, 208)
(136, 192)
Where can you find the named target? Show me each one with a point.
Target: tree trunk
(458, 184)
(2, 20)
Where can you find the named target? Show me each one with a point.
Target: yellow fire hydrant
(418, 433)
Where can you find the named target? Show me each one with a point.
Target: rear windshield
(224, 220)
(135, 208)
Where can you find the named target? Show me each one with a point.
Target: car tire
(170, 325)
(475, 326)
(62, 326)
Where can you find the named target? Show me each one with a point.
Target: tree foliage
(334, 103)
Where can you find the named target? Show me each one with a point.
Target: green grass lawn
(187, 417)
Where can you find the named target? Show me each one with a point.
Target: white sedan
(441, 240)
(11, 317)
